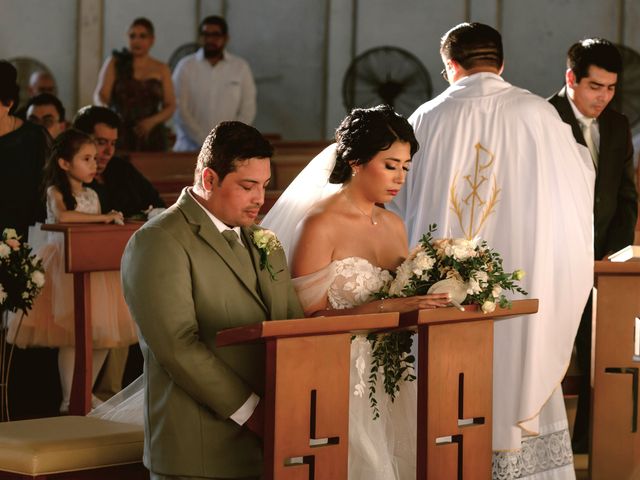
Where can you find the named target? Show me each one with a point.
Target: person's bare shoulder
(318, 222)
(391, 218)
(159, 67)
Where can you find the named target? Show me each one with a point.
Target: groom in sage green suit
(187, 274)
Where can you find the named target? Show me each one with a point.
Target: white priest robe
(498, 162)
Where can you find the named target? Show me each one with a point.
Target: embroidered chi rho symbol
(474, 205)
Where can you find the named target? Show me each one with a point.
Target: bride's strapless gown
(382, 449)
(385, 448)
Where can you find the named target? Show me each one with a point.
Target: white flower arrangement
(21, 273)
(471, 263)
(466, 269)
(267, 242)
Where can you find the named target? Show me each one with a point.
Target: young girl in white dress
(342, 248)
(50, 323)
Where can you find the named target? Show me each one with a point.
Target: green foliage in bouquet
(472, 263)
(471, 266)
(21, 273)
(391, 355)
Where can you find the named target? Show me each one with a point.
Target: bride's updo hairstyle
(364, 133)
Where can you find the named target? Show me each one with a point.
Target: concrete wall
(44, 30)
(299, 50)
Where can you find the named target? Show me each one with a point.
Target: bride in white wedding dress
(341, 249)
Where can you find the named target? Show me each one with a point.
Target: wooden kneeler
(455, 389)
(88, 248)
(615, 397)
(307, 391)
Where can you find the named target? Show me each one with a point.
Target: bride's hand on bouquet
(419, 302)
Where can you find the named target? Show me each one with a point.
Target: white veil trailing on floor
(308, 188)
(125, 406)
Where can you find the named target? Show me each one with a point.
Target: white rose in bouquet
(488, 306)
(10, 233)
(37, 277)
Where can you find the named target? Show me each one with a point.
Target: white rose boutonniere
(267, 243)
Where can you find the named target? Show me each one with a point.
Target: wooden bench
(170, 172)
(72, 447)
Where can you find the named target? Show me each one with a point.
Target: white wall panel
(537, 35)
(44, 30)
(174, 22)
(284, 42)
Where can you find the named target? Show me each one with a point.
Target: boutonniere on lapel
(267, 243)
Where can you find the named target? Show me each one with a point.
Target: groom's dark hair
(228, 143)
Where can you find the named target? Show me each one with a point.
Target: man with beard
(211, 86)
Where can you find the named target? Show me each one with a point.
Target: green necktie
(242, 254)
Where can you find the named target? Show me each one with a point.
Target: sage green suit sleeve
(157, 281)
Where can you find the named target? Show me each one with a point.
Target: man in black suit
(593, 66)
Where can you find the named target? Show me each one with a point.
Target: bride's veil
(125, 406)
(309, 187)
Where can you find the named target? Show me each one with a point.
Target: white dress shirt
(243, 414)
(209, 94)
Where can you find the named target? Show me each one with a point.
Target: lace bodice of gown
(355, 282)
(86, 202)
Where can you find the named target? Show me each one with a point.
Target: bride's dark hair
(364, 133)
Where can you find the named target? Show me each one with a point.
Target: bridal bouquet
(467, 269)
(21, 273)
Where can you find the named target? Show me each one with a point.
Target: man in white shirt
(593, 66)
(211, 86)
(496, 161)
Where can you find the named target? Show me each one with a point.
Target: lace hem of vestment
(538, 454)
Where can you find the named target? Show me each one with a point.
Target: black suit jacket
(125, 189)
(615, 202)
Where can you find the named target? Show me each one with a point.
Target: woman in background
(139, 88)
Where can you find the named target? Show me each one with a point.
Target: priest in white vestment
(496, 161)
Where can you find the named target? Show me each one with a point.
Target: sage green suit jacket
(182, 283)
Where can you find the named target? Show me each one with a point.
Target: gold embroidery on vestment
(473, 206)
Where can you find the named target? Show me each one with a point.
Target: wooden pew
(170, 172)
